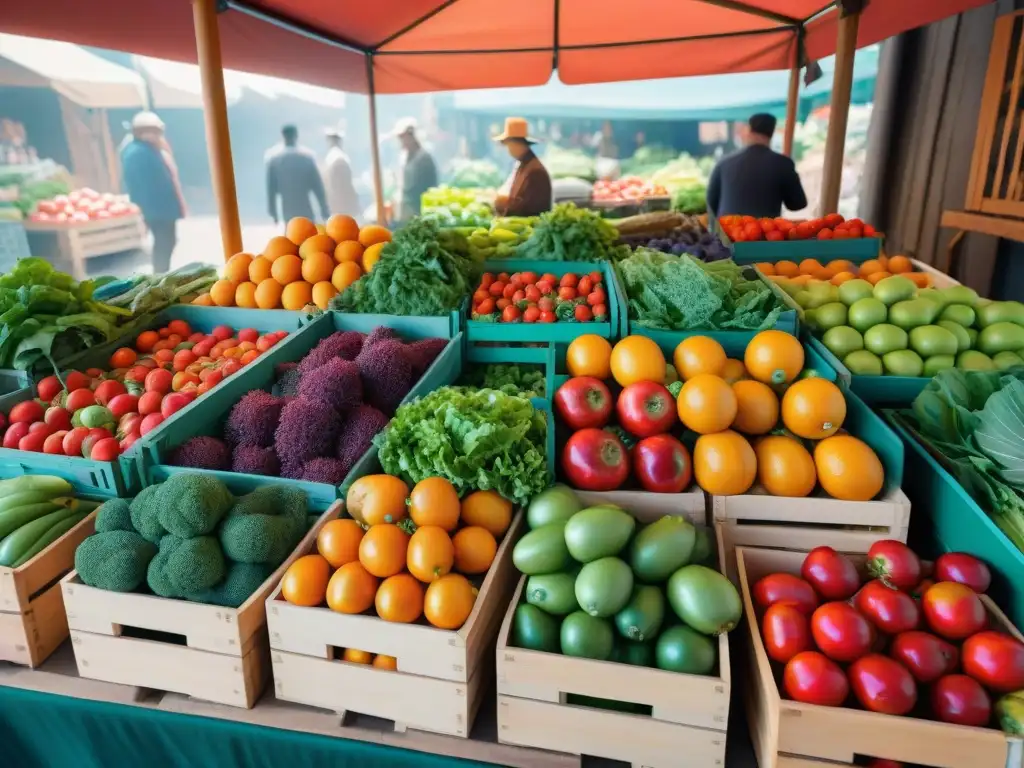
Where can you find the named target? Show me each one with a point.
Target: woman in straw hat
(529, 187)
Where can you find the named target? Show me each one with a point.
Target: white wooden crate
(84, 240)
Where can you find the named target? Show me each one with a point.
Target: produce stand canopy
(427, 45)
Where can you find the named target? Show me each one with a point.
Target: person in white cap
(341, 192)
(417, 171)
(527, 192)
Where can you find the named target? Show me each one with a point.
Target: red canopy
(427, 45)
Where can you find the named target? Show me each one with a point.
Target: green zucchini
(19, 542)
(15, 518)
(16, 500)
(55, 532)
(53, 485)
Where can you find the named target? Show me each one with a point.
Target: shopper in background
(756, 181)
(292, 175)
(151, 178)
(417, 171)
(341, 192)
(607, 165)
(527, 192)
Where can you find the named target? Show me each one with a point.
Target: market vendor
(527, 192)
(417, 171)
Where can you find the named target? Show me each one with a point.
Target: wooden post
(792, 108)
(839, 112)
(378, 180)
(215, 115)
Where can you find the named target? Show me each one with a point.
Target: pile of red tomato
(526, 297)
(628, 188)
(742, 229)
(912, 640)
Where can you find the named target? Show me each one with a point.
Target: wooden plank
(46, 625)
(997, 207)
(892, 511)
(991, 96)
(792, 103)
(842, 85)
(986, 225)
(1008, 120)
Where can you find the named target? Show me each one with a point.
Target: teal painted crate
(857, 251)
(950, 520)
(540, 357)
(876, 391)
(477, 330)
(442, 326)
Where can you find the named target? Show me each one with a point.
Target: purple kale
(255, 460)
(308, 429)
(344, 344)
(202, 453)
(379, 334)
(254, 419)
(330, 471)
(422, 354)
(386, 373)
(357, 433)
(335, 383)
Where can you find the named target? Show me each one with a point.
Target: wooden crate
(84, 240)
(939, 279)
(442, 675)
(208, 652)
(690, 713)
(32, 619)
(787, 734)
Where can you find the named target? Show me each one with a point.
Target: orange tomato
(338, 541)
(380, 661)
(400, 599)
(784, 467)
(920, 279)
(733, 371)
(144, 341)
(475, 548)
(875, 277)
(695, 355)
(724, 464)
(787, 268)
(810, 267)
(434, 501)
(706, 404)
(813, 408)
(870, 267)
(351, 589)
(356, 656)
(449, 601)
(374, 499)
(589, 355)
(757, 407)
(431, 553)
(840, 265)
(848, 469)
(488, 510)
(305, 581)
(841, 277)
(383, 549)
(774, 357)
(765, 268)
(124, 357)
(637, 358)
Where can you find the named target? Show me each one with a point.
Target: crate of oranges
(309, 264)
(394, 612)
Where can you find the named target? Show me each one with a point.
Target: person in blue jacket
(151, 178)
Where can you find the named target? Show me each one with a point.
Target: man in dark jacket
(756, 181)
(527, 192)
(293, 176)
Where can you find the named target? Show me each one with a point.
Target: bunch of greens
(648, 159)
(565, 163)
(974, 420)
(475, 173)
(569, 233)
(691, 198)
(151, 293)
(416, 275)
(679, 293)
(45, 316)
(477, 439)
(510, 378)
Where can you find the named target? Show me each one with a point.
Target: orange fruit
(317, 266)
(836, 266)
(340, 227)
(434, 501)
(841, 277)
(300, 229)
(268, 294)
(237, 267)
(637, 358)
(732, 371)
(279, 246)
(765, 268)
(223, 293)
(757, 407)
(787, 268)
(351, 589)
(400, 599)
(431, 553)
(203, 300)
(348, 250)
(488, 510)
(920, 279)
(883, 261)
(848, 469)
(345, 274)
(475, 548)
(372, 234)
(305, 581)
(875, 277)
(813, 408)
(800, 280)
(784, 466)
(323, 292)
(382, 550)
(259, 269)
(706, 404)
(724, 464)
(380, 661)
(338, 541)
(871, 266)
(286, 269)
(696, 355)
(245, 295)
(317, 244)
(375, 499)
(296, 295)
(774, 357)
(449, 601)
(589, 355)
(355, 656)
(371, 256)
(810, 267)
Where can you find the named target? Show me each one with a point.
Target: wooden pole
(839, 112)
(792, 107)
(215, 115)
(378, 181)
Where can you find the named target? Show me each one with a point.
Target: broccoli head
(114, 515)
(203, 452)
(145, 508)
(186, 566)
(271, 500)
(192, 504)
(265, 525)
(241, 581)
(386, 373)
(335, 383)
(114, 560)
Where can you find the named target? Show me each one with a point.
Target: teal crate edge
(861, 249)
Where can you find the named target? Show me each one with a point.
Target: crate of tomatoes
(831, 237)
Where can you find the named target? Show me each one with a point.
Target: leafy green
(569, 233)
(475, 174)
(476, 438)
(680, 293)
(691, 198)
(510, 378)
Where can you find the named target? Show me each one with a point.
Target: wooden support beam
(792, 109)
(378, 179)
(215, 116)
(839, 112)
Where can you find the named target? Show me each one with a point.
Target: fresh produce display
(150, 293)
(742, 229)
(500, 240)
(680, 293)
(476, 439)
(510, 378)
(627, 189)
(898, 642)
(404, 554)
(100, 414)
(189, 538)
(309, 265)
(475, 174)
(691, 198)
(691, 237)
(601, 586)
(564, 163)
(569, 233)
(529, 297)
(83, 205)
(449, 207)
(838, 271)
(327, 409)
(35, 511)
(43, 181)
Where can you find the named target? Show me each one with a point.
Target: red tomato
(894, 563)
(961, 700)
(518, 296)
(568, 281)
(566, 293)
(926, 656)
(533, 293)
(107, 390)
(597, 296)
(840, 632)
(173, 403)
(963, 569)
(646, 408)
(662, 464)
(106, 449)
(548, 317)
(832, 575)
(531, 315)
(918, 592)
(584, 286)
(80, 398)
(503, 276)
(882, 685)
(600, 311)
(57, 417)
(890, 610)
(595, 278)
(479, 296)
(222, 332)
(545, 287)
(152, 421)
(550, 277)
(786, 632)
(528, 278)
(546, 305)
(812, 678)
(583, 313)
(486, 280)
(54, 444)
(33, 441)
(510, 314)
(995, 660)
(76, 380)
(953, 610)
(159, 380)
(496, 289)
(583, 401)
(510, 291)
(72, 443)
(785, 588)
(26, 412)
(485, 307)
(825, 234)
(595, 460)
(48, 388)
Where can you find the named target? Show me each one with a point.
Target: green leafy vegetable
(510, 378)
(568, 233)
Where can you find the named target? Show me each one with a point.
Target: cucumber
(15, 518)
(16, 500)
(55, 486)
(55, 532)
(19, 542)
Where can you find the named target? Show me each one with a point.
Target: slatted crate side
(890, 513)
(780, 727)
(119, 236)
(29, 637)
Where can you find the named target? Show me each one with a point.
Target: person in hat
(529, 187)
(292, 176)
(417, 171)
(151, 179)
(341, 192)
(756, 181)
